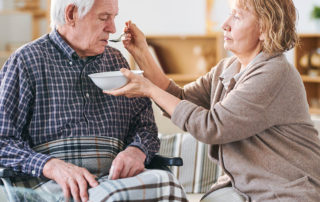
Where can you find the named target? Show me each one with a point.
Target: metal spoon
(118, 39)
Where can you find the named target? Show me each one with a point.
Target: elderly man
(55, 123)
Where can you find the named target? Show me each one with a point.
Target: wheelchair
(157, 162)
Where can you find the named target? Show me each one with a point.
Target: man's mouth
(105, 40)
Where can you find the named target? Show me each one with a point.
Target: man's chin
(98, 52)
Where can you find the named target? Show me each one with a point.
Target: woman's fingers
(127, 73)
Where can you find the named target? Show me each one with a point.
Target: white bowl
(111, 80)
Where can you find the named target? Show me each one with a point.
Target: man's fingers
(83, 187)
(125, 172)
(66, 192)
(74, 189)
(91, 179)
(117, 169)
(132, 172)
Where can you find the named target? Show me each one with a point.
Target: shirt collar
(228, 74)
(232, 74)
(62, 44)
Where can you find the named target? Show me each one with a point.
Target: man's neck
(68, 36)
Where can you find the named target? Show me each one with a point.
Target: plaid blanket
(96, 154)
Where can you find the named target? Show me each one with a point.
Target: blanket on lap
(96, 154)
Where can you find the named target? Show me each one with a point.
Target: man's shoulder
(35, 47)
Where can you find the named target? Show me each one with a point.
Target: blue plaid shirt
(46, 95)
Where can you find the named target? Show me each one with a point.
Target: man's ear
(71, 13)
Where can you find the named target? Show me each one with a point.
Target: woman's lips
(227, 38)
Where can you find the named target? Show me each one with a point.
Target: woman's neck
(246, 58)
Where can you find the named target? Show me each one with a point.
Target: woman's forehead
(243, 4)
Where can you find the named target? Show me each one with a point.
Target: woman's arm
(142, 87)
(137, 46)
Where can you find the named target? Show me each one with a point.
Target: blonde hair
(277, 19)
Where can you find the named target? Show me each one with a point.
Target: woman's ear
(71, 13)
(262, 36)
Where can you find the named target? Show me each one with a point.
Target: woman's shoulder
(273, 64)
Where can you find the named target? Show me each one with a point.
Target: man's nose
(110, 27)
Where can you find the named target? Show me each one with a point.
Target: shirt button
(33, 172)
(87, 95)
(70, 63)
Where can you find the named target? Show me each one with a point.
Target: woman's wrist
(140, 55)
(153, 90)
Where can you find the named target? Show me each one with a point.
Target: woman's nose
(225, 26)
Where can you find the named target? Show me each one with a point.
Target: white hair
(58, 7)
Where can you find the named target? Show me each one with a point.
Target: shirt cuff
(35, 163)
(173, 88)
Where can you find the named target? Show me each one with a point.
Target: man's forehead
(108, 7)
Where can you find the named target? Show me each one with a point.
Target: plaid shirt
(46, 94)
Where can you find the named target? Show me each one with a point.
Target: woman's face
(242, 32)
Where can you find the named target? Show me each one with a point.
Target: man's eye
(103, 19)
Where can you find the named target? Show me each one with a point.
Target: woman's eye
(236, 17)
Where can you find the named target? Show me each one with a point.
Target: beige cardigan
(259, 128)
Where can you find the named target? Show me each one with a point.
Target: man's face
(91, 33)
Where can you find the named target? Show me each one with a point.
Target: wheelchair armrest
(167, 161)
(8, 172)
(162, 162)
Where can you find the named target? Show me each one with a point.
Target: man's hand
(73, 180)
(128, 163)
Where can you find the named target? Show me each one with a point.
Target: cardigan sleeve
(242, 113)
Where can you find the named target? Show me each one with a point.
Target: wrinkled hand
(128, 163)
(138, 86)
(135, 41)
(73, 180)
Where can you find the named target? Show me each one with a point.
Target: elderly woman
(251, 108)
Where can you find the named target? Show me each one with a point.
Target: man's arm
(143, 130)
(142, 141)
(15, 109)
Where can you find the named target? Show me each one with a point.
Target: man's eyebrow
(106, 13)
